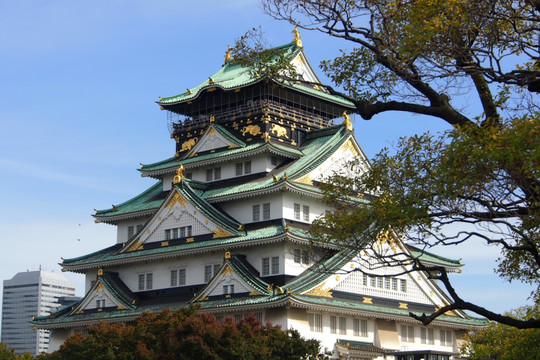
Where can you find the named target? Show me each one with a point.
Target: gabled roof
(241, 272)
(215, 133)
(233, 76)
(171, 164)
(428, 258)
(143, 204)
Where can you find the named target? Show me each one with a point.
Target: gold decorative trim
(137, 245)
(253, 293)
(320, 290)
(227, 254)
(297, 37)
(100, 272)
(189, 144)
(279, 131)
(227, 270)
(190, 240)
(219, 233)
(403, 305)
(179, 175)
(177, 198)
(367, 300)
(347, 121)
(164, 243)
(251, 129)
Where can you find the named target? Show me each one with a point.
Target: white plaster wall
(122, 228)
(316, 207)
(242, 210)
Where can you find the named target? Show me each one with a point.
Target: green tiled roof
(227, 135)
(241, 269)
(174, 162)
(426, 256)
(118, 289)
(232, 76)
(111, 254)
(359, 345)
(315, 153)
(151, 199)
(357, 305)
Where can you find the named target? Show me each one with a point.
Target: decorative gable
(183, 215)
(234, 277)
(337, 163)
(215, 137)
(106, 293)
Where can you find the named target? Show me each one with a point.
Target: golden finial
(347, 121)
(228, 56)
(114, 208)
(211, 81)
(179, 174)
(241, 228)
(284, 176)
(100, 272)
(189, 91)
(227, 254)
(274, 178)
(297, 37)
(212, 118)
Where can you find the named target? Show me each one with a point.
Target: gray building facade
(29, 294)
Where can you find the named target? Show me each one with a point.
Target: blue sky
(78, 85)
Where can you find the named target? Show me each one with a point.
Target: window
(296, 256)
(360, 327)
(394, 284)
(342, 325)
(270, 266)
(145, 281)
(256, 212)
(239, 169)
(305, 257)
(228, 289)
(266, 211)
(403, 285)
(210, 271)
(275, 265)
(178, 277)
(273, 160)
(247, 167)
(265, 266)
(426, 335)
(364, 279)
(297, 211)
(184, 231)
(100, 303)
(333, 324)
(131, 231)
(380, 282)
(243, 168)
(407, 333)
(372, 281)
(446, 338)
(213, 174)
(315, 322)
(305, 210)
(387, 283)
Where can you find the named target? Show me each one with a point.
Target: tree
(9, 354)
(422, 57)
(186, 334)
(503, 342)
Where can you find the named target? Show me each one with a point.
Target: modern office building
(25, 296)
(225, 224)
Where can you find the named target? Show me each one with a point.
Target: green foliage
(9, 354)
(503, 342)
(186, 334)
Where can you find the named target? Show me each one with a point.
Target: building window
(131, 231)
(403, 285)
(266, 211)
(305, 210)
(297, 211)
(360, 327)
(296, 256)
(184, 231)
(394, 284)
(145, 281)
(265, 266)
(270, 266)
(426, 335)
(228, 289)
(380, 282)
(243, 168)
(446, 338)
(213, 174)
(407, 333)
(342, 325)
(247, 167)
(315, 322)
(333, 324)
(305, 257)
(210, 271)
(239, 169)
(372, 281)
(100, 303)
(273, 160)
(338, 325)
(256, 212)
(178, 277)
(275, 265)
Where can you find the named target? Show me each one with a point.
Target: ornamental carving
(219, 233)
(177, 198)
(188, 144)
(279, 131)
(251, 129)
(320, 290)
